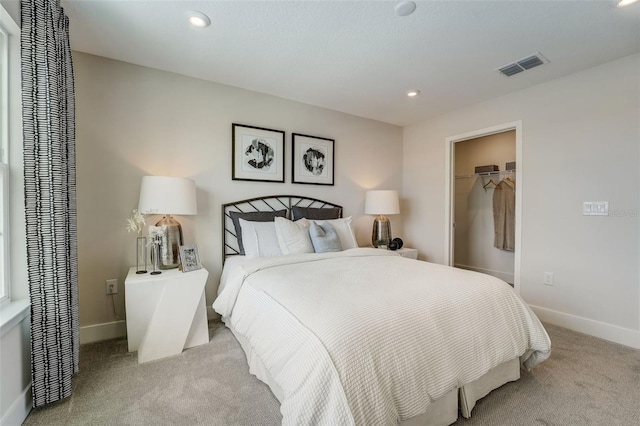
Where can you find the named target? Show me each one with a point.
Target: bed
(363, 336)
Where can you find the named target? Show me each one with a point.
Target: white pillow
(259, 239)
(293, 237)
(344, 231)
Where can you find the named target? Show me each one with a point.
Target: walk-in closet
(484, 209)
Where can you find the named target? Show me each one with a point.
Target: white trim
(505, 276)
(8, 29)
(106, 331)
(19, 410)
(12, 313)
(5, 235)
(5, 22)
(448, 191)
(602, 330)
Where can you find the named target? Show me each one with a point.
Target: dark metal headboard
(262, 204)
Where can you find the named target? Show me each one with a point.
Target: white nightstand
(407, 252)
(166, 313)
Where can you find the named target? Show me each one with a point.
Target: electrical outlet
(112, 286)
(548, 278)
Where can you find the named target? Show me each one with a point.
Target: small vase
(155, 258)
(141, 255)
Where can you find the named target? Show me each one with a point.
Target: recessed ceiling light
(623, 3)
(198, 19)
(413, 93)
(404, 8)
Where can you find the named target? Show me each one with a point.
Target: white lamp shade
(167, 195)
(382, 202)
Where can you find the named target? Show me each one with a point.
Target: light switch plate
(595, 208)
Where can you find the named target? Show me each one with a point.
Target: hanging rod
(496, 173)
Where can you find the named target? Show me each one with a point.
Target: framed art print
(313, 160)
(189, 258)
(257, 153)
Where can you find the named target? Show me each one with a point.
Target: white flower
(136, 222)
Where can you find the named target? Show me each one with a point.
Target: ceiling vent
(523, 64)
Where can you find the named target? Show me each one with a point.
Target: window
(4, 163)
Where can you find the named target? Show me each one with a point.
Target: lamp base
(171, 242)
(381, 233)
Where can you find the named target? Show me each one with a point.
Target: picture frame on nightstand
(189, 258)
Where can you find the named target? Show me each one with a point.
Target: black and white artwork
(189, 258)
(258, 153)
(313, 160)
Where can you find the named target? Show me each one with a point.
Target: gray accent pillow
(324, 238)
(252, 217)
(315, 213)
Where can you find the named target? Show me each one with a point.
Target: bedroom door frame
(449, 191)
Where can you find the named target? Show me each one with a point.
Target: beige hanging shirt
(504, 215)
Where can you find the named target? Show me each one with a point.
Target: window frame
(5, 197)
(5, 288)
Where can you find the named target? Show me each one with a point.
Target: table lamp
(167, 196)
(381, 203)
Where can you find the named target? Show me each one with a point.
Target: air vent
(523, 64)
(512, 69)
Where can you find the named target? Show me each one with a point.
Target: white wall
(133, 121)
(580, 138)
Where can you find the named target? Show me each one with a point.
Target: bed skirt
(441, 412)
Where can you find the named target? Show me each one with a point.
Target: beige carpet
(586, 381)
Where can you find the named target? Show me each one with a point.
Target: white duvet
(366, 337)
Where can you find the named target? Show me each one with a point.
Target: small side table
(166, 313)
(407, 252)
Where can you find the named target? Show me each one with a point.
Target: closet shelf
(486, 174)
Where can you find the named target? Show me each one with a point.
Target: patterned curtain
(48, 113)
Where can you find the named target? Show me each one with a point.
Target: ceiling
(359, 57)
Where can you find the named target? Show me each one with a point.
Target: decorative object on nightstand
(167, 196)
(396, 244)
(381, 203)
(189, 258)
(136, 224)
(156, 233)
(141, 255)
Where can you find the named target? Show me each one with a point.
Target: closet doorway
(483, 204)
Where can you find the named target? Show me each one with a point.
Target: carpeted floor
(586, 381)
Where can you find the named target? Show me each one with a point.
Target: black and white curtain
(48, 113)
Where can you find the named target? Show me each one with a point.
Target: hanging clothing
(504, 215)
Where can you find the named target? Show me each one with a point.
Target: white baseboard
(613, 333)
(106, 331)
(19, 410)
(505, 276)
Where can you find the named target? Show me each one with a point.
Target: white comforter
(367, 337)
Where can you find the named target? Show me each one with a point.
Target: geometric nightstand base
(166, 313)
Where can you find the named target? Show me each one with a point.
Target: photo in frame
(189, 258)
(313, 160)
(257, 153)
